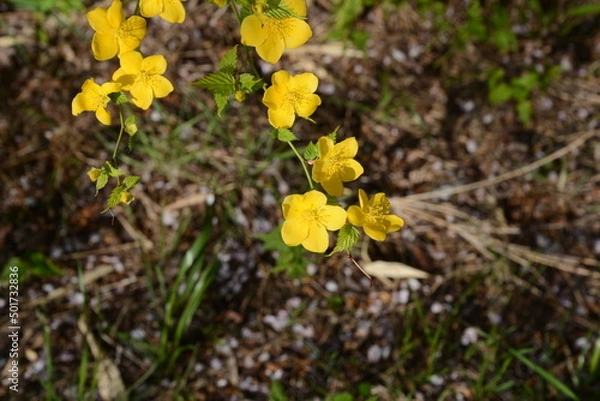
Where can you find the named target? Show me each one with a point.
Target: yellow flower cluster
(270, 27)
(116, 35)
(308, 217)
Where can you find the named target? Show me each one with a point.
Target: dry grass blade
(110, 383)
(580, 140)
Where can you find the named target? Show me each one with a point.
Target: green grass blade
(549, 377)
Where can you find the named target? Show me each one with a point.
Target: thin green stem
(304, 166)
(116, 151)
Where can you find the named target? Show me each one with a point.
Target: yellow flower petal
(334, 217)
(104, 47)
(297, 32)
(355, 216)
(78, 105)
(375, 231)
(115, 14)
(308, 105)
(333, 186)
(297, 6)
(271, 49)
(131, 62)
(110, 87)
(103, 116)
(314, 199)
(161, 86)
(156, 64)
(252, 30)
(363, 198)
(132, 32)
(350, 170)
(283, 117)
(141, 95)
(395, 223)
(151, 8)
(293, 232)
(307, 81)
(348, 148)
(99, 21)
(317, 240)
(173, 11)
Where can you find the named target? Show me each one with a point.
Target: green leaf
(333, 134)
(221, 100)
(524, 111)
(311, 152)
(229, 61)
(584, 10)
(279, 9)
(285, 135)
(249, 83)
(109, 170)
(101, 182)
(500, 93)
(340, 397)
(220, 82)
(277, 392)
(115, 198)
(131, 181)
(119, 97)
(347, 237)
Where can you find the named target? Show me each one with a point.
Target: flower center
(312, 216)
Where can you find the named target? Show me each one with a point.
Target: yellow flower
(169, 10)
(220, 3)
(373, 215)
(336, 164)
(94, 97)
(307, 219)
(271, 36)
(290, 95)
(142, 77)
(114, 34)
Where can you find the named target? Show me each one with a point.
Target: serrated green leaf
(101, 182)
(249, 83)
(114, 199)
(347, 237)
(220, 82)
(221, 100)
(285, 135)
(333, 134)
(279, 9)
(131, 181)
(311, 152)
(229, 61)
(119, 97)
(110, 170)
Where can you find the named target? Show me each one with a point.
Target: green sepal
(311, 151)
